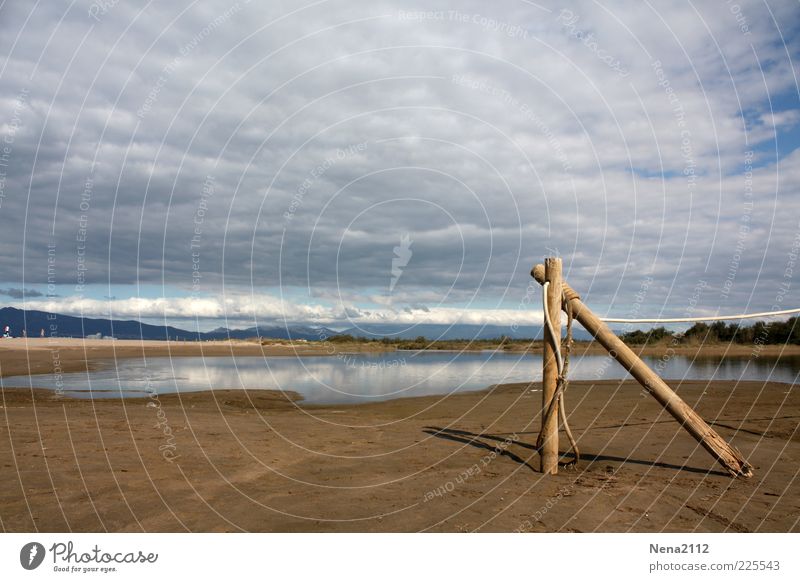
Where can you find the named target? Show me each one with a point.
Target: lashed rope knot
(567, 294)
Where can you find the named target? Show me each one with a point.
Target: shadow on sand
(478, 440)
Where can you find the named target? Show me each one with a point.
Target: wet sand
(260, 461)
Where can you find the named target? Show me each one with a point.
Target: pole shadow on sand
(474, 439)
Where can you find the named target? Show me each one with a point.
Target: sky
(337, 163)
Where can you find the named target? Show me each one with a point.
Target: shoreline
(30, 356)
(23, 357)
(46, 394)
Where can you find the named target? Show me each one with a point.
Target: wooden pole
(727, 455)
(549, 451)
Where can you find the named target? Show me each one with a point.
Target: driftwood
(727, 455)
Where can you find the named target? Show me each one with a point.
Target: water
(360, 378)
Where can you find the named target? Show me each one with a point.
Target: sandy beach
(260, 461)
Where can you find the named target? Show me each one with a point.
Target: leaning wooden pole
(727, 455)
(548, 453)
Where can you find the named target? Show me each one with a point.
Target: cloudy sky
(347, 162)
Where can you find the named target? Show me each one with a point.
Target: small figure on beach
(41, 333)
(6, 331)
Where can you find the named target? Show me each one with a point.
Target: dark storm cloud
(295, 146)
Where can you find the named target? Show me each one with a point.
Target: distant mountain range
(305, 332)
(68, 326)
(71, 326)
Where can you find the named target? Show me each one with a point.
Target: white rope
(693, 319)
(559, 397)
(551, 331)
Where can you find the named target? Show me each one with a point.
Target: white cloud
(266, 309)
(487, 146)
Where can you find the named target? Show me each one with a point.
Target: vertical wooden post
(549, 451)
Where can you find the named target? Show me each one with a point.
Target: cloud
(781, 119)
(266, 309)
(20, 293)
(272, 148)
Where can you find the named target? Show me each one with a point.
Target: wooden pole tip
(538, 273)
